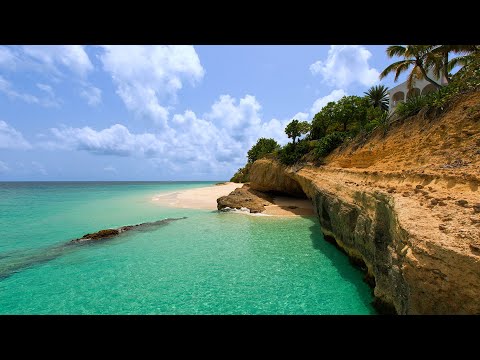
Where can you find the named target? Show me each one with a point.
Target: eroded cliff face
(418, 267)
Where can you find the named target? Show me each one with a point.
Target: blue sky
(163, 112)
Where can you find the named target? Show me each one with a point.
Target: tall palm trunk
(445, 67)
(424, 73)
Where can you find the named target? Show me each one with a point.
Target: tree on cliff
(322, 122)
(350, 110)
(296, 129)
(261, 148)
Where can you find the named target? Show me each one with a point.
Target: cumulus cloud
(92, 95)
(213, 143)
(72, 57)
(115, 140)
(345, 65)
(4, 168)
(148, 77)
(321, 102)
(11, 138)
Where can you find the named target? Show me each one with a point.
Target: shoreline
(205, 198)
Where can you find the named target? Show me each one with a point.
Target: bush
(242, 175)
(261, 148)
(329, 143)
(380, 121)
(292, 153)
(412, 106)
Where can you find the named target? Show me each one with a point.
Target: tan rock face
(244, 197)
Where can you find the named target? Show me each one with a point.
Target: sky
(163, 113)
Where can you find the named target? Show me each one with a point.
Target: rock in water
(109, 233)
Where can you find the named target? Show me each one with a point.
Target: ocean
(206, 262)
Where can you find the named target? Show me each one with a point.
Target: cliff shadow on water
(347, 269)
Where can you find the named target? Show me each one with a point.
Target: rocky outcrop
(386, 222)
(244, 197)
(109, 233)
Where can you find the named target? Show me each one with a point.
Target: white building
(420, 87)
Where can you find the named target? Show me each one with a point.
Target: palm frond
(393, 67)
(401, 68)
(396, 50)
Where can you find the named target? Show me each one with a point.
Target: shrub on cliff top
(329, 143)
(292, 153)
(242, 175)
(261, 148)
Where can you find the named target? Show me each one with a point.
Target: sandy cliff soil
(406, 204)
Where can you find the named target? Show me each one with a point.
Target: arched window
(413, 92)
(428, 89)
(398, 97)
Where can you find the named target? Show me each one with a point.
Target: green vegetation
(261, 148)
(292, 153)
(412, 106)
(242, 175)
(329, 143)
(377, 97)
(297, 128)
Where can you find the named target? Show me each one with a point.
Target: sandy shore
(288, 206)
(200, 198)
(206, 198)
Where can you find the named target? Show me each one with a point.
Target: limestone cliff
(406, 204)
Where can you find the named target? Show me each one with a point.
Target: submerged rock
(109, 233)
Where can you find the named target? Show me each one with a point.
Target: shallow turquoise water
(208, 263)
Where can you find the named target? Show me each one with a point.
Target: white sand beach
(200, 198)
(206, 198)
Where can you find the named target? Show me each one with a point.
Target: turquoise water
(208, 263)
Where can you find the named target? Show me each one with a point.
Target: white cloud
(11, 138)
(6, 88)
(47, 88)
(115, 140)
(321, 102)
(149, 77)
(213, 143)
(4, 168)
(48, 101)
(345, 65)
(92, 94)
(301, 116)
(73, 57)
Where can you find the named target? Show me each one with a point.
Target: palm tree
(418, 56)
(440, 54)
(378, 97)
